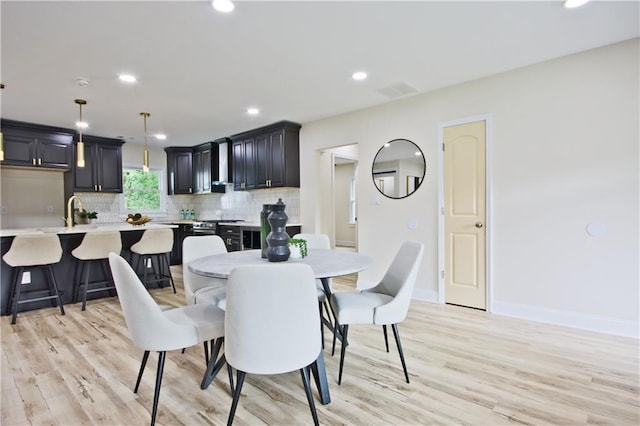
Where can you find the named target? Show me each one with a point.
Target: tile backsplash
(244, 205)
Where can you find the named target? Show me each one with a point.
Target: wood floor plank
(465, 366)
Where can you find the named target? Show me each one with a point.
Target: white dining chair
(198, 288)
(386, 303)
(154, 329)
(271, 324)
(320, 241)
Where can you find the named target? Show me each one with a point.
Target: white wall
(564, 154)
(27, 196)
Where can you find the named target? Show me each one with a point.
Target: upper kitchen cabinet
(202, 155)
(268, 157)
(211, 166)
(102, 171)
(179, 170)
(244, 164)
(34, 145)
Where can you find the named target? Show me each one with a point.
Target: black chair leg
(52, 279)
(394, 327)
(335, 336)
(343, 347)
(307, 389)
(143, 364)
(236, 397)
(168, 263)
(215, 347)
(321, 323)
(86, 286)
(386, 339)
(17, 287)
(106, 270)
(206, 352)
(230, 372)
(156, 395)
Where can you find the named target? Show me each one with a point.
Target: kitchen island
(70, 238)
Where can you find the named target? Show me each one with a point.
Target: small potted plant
(298, 247)
(92, 216)
(84, 217)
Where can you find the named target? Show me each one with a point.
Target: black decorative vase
(278, 239)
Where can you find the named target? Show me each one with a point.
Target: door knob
(479, 225)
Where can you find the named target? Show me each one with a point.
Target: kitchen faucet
(70, 209)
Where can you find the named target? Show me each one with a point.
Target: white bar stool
(155, 244)
(95, 248)
(28, 252)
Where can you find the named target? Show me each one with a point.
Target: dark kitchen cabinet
(244, 169)
(179, 234)
(33, 145)
(179, 170)
(232, 237)
(202, 164)
(268, 157)
(211, 162)
(102, 171)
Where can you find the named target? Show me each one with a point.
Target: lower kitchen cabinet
(179, 234)
(232, 237)
(247, 237)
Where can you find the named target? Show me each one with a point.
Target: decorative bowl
(140, 221)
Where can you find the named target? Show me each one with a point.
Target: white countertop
(251, 224)
(82, 229)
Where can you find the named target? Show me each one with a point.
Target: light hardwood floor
(466, 367)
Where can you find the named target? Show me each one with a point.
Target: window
(352, 202)
(143, 192)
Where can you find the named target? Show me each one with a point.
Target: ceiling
(199, 70)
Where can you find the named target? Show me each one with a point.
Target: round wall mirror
(398, 168)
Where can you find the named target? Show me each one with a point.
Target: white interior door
(464, 160)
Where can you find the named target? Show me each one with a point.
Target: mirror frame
(411, 182)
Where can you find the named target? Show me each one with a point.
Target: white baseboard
(425, 295)
(595, 323)
(345, 243)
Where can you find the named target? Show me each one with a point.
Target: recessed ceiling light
(224, 6)
(127, 78)
(572, 4)
(253, 111)
(360, 75)
(160, 136)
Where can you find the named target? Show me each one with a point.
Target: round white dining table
(325, 264)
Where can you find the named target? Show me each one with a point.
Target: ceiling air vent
(399, 89)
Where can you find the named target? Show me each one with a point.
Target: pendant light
(80, 124)
(1, 137)
(145, 153)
